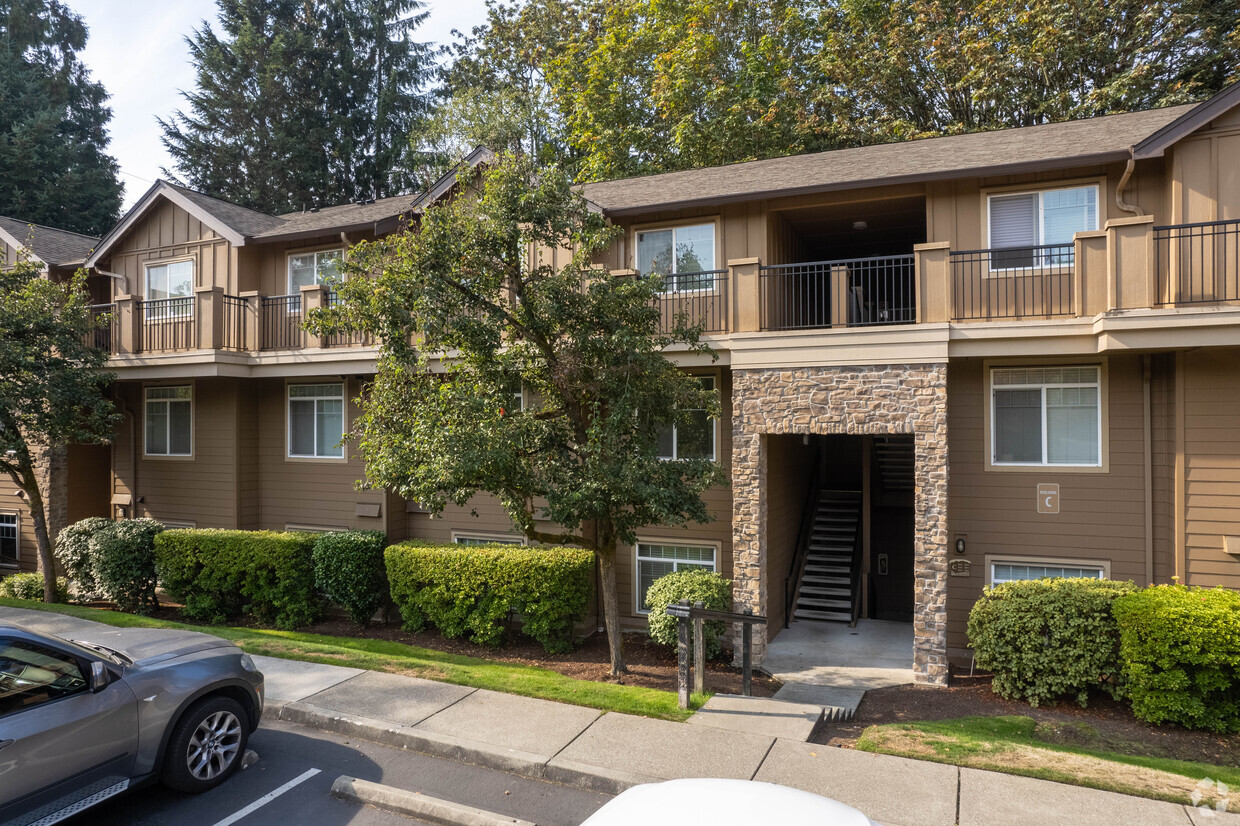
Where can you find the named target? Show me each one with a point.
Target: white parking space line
(267, 798)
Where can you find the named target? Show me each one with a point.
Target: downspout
(1123, 182)
(1147, 411)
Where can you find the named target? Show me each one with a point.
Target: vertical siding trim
(1180, 525)
(1148, 448)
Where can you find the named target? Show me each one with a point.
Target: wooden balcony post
(840, 297)
(1089, 273)
(746, 285)
(128, 336)
(209, 318)
(934, 281)
(313, 296)
(253, 319)
(1130, 262)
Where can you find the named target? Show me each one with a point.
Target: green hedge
(123, 558)
(217, 575)
(30, 586)
(469, 590)
(348, 570)
(1048, 638)
(72, 550)
(1181, 652)
(695, 585)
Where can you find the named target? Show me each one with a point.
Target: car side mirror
(99, 677)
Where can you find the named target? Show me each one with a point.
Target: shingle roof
(242, 220)
(339, 217)
(56, 247)
(1078, 142)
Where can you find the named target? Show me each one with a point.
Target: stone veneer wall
(895, 398)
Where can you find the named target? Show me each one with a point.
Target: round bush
(124, 563)
(73, 551)
(348, 569)
(695, 585)
(30, 586)
(1048, 638)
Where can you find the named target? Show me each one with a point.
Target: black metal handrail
(878, 290)
(855, 584)
(1013, 282)
(792, 582)
(1197, 263)
(345, 338)
(167, 324)
(103, 335)
(282, 318)
(700, 298)
(235, 323)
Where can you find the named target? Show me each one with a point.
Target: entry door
(59, 741)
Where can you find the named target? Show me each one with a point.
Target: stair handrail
(857, 578)
(792, 582)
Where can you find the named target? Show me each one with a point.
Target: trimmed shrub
(469, 591)
(695, 585)
(30, 586)
(218, 575)
(72, 550)
(348, 569)
(1180, 649)
(123, 558)
(1048, 638)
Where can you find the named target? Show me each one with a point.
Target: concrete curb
(412, 804)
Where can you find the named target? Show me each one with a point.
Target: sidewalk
(609, 752)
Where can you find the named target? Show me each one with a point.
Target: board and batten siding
(169, 233)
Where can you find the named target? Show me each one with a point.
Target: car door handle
(4, 743)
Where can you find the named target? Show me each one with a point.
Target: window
(8, 539)
(679, 254)
(31, 674)
(308, 268)
(517, 391)
(315, 421)
(693, 437)
(656, 560)
(172, 285)
(169, 421)
(1020, 222)
(1046, 416)
(1008, 571)
(478, 539)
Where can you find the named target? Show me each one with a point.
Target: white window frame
(640, 609)
(714, 429)
(172, 311)
(1099, 385)
(671, 282)
(318, 277)
(468, 538)
(147, 401)
(1095, 185)
(288, 420)
(1103, 566)
(17, 539)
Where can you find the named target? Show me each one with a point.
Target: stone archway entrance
(855, 400)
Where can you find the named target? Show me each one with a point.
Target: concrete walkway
(610, 752)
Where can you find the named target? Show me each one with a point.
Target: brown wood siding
(87, 485)
(789, 468)
(1162, 431)
(166, 233)
(1101, 514)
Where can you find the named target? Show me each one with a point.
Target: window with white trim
(169, 421)
(693, 437)
(655, 560)
(308, 268)
(684, 256)
(8, 538)
(1010, 571)
(171, 287)
(1046, 416)
(1019, 222)
(315, 421)
(476, 540)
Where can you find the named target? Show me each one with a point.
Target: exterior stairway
(896, 459)
(827, 578)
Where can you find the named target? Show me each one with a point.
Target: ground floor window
(169, 421)
(1046, 416)
(8, 539)
(474, 539)
(1011, 570)
(315, 421)
(657, 559)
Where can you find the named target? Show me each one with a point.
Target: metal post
(746, 657)
(682, 659)
(699, 653)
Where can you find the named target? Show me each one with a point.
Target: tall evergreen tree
(303, 102)
(54, 165)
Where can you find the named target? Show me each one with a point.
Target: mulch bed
(1105, 724)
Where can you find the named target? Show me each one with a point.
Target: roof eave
(1157, 144)
(21, 245)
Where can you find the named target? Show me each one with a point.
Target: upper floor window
(308, 268)
(1046, 416)
(172, 286)
(684, 256)
(169, 421)
(693, 437)
(1021, 222)
(315, 421)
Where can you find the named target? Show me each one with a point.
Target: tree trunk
(611, 607)
(43, 541)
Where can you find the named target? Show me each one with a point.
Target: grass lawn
(1067, 753)
(397, 658)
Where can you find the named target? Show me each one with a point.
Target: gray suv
(83, 720)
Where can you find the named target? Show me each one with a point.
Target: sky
(137, 49)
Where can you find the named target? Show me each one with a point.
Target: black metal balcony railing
(167, 324)
(874, 291)
(104, 334)
(282, 317)
(700, 298)
(1017, 282)
(234, 310)
(1198, 263)
(348, 338)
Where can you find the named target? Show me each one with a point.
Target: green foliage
(73, 552)
(123, 563)
(1049, 638)
(54, 166)
(348, 569)
(470, 590)
(29, 586)
(695, 585)
(218, 575)
(1180, 649)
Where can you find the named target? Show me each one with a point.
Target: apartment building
(943, 364)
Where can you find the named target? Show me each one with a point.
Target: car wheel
(206, 746)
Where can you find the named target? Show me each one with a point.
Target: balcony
(862, 292)
(1013, 283)
(1197, 263)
